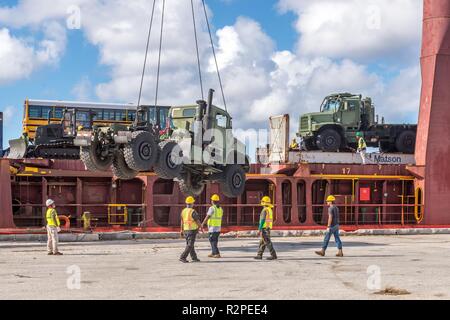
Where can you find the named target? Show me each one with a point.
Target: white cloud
(19, 57)
(358, 29)
(83, 89)
(8, 114)
(16, 57)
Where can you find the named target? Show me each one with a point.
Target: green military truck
(197, 147)
(341, 116)
(200, 148)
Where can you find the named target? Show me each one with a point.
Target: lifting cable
(146, 53)
(198, 54)
(160, 50)
(197, 50)
(214, 54)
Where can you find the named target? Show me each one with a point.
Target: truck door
(349, 114)
(218, 147)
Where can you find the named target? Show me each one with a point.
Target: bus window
(45, 111)
(120, 115)
(83, 119)
(96, 114)
(58, 114)
(34, 112)
(108, 115)
(131, 115)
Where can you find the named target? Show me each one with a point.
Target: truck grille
(304, 124)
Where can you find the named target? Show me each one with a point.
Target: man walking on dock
(53, 227)
(190, 225)
(214, 219)
(265, 226)
(333, 228)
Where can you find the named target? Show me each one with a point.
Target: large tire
(329, 140)
(120, 168)
(406, 142)
(142, 152)
(308, 145)
(170, 163)
(93, 159)
(188, 188)
(386, 147)
(233, 182)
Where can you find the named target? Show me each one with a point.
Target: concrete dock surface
(374, 267)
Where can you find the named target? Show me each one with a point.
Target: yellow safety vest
(362, 144)
(216, 219)
(268, 224)
(188, 221)
(49, 217)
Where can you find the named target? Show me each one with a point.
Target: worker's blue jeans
(335, 232)
(214, 240)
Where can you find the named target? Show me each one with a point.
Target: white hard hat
(49, 202)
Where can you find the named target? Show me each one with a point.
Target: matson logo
(380, 158)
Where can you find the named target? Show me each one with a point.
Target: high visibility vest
(188, 222)
(268, 224)
(49, 217)
(362, 144)
(216, 219)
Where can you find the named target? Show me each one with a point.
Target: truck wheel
(329, 140)
(170, 160)
(120, 168)
(93, 157)
(190, 188)
(233, 183)
(406, 142)
(386, 147)
(308, 145)
(143, 151)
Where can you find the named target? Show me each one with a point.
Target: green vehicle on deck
(341, 116)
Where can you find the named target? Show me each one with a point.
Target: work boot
(196, 260)
(211, 255)
(50, 253)
(272, 258)
(58, 254)
(340, 253)
(184, 260)
(258, 258)
(321, 253)
(217, 256)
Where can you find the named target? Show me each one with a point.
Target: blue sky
(277, 55)
(81, 59)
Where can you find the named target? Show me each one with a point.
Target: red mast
(433, 142)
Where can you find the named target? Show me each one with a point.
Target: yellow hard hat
(266, 201)
(331, 199)
(215, 197)
(190, 200)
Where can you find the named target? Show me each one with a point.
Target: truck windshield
(330, 105)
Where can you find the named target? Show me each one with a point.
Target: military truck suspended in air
(198, 147)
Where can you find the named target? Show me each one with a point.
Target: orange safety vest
(188, 221)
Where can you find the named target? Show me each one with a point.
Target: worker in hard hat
(190, 225)
(214, 220)
(294, 145)
(362, 146)
(265, 226)
(53, 227)
(332, 228)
